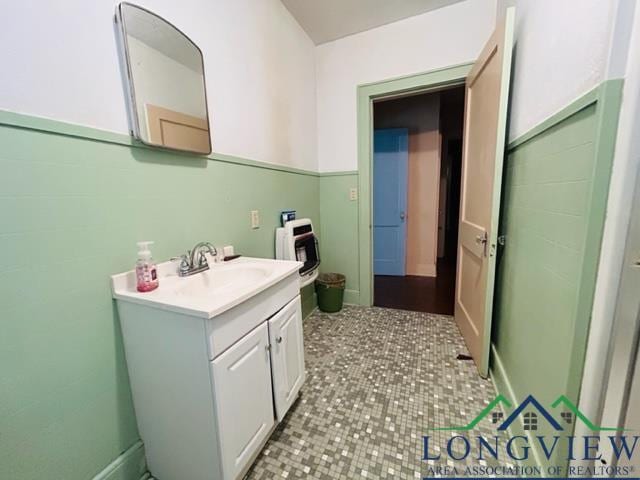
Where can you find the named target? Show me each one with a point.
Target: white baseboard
(423, 270)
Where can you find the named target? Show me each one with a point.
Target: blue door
(390, 165)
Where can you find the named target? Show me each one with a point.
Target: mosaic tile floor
(377, 380)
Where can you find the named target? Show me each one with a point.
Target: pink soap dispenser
(146, 272)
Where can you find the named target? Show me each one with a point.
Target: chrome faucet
(195, 260)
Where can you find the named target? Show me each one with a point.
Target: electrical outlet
(255, 219)
(353, 194)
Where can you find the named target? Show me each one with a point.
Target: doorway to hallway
(485, 119)
(416, 196)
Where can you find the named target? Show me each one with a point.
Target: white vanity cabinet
(209, 389)
(244, 405)
(287, 356)
(266, 366)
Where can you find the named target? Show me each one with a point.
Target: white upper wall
(561, 52)
(443, 37)
(264, 75)
(59, 60)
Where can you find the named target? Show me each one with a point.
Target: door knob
(403, 216)
(279, 339)
(482, 240)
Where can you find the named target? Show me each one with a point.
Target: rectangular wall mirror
(165, 75)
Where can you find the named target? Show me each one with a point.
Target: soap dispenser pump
(146, 271)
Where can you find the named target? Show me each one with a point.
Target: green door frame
(419, 83)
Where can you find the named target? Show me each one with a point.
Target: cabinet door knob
(279, 339)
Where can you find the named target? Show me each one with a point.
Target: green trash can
(330, 290)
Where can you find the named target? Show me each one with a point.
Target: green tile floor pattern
(377, 380)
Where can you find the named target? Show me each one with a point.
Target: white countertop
(209, 293)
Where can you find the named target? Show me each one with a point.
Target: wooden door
(487, 89)
(178, 130)
(244, 401)
(287, 356)
(390, 170)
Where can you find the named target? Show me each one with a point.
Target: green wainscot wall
(73, 203)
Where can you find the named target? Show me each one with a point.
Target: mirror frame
(130, 87)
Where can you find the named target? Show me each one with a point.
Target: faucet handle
(202, 260)
(184, 263)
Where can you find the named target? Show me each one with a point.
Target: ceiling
(326, 20)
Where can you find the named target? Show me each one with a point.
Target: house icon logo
(561, 415)
(557, 421)
(530, 418)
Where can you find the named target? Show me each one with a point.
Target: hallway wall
(420, 114)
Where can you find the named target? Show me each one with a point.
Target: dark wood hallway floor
(419, 294)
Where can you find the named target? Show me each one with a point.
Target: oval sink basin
(219, 279)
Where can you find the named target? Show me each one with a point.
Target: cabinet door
(244, 401)
(287, 355)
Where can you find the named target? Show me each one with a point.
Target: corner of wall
(623, 176)
(352, 297)
(130, 465)
(339, 245)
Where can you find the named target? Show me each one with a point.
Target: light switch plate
(353, 193)
(255, 219)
